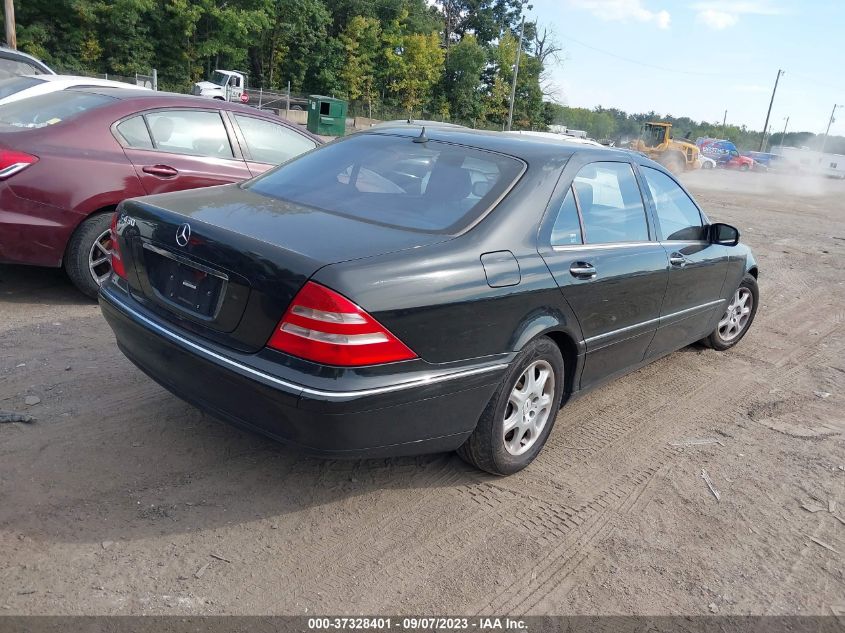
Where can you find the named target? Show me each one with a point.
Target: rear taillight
(116, 260)
(322, 326)
(11, 162)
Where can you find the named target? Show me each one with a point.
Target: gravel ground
(121, 499)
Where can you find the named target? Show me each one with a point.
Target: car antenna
(422, 138)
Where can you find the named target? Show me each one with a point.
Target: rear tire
(738, 316)
(517, 421)
(84, 261)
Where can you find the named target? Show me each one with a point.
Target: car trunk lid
(225, 262)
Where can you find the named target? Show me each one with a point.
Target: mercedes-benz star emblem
(183, 234)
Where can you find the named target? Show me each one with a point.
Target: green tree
(360, 40)
(420, 67)
(462, 79)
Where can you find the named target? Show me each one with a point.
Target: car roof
(82, 80)
(167, 98)
(127, 99)
(528, 148)
(554, 136)
(416, 122)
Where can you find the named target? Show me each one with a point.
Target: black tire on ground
(744, 168)
(79, 251)
(485, 448)
(707, 166)
(715, 339)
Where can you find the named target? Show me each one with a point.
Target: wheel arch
(564, 335)
(111, 208)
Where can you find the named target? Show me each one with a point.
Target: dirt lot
(122, 499)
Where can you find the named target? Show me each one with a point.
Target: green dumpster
(326, 115)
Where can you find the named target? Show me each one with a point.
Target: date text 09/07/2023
(416, 624)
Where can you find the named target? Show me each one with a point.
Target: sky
(698, 58)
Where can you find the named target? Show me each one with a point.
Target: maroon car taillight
(116, 260)
(12, 162)
(325, 327)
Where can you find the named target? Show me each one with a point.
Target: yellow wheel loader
(657, 143)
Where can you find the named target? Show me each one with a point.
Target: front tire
(738, 316)
(87, 260)
(519, 417)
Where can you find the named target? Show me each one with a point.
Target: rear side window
(611, 204)
(134, 131)
(13, 85)
(270, 142)
(49, 109)
(567, 228)
(195, 132)
(433, 186)
(677, 215)
(15, 67)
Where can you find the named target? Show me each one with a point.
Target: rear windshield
(434, 187)
(50, 109)
(16, 84)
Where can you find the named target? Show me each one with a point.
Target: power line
(646, 64)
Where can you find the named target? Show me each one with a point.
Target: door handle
(677, 260)
(162, 171)
(582, 270)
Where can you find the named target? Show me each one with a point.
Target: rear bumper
(404, 418)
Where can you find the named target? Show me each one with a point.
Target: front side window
(195, 132)
(270, 142)
(611, 204)
(391, 180)
(677, 215)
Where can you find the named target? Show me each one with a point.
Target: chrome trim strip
(663, 317)
(331, 395)
(184, 260)
(572, 247)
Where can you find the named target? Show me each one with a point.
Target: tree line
(621, 127)
(447, 59)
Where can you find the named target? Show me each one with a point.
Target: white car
(706, 163)
(25, 86)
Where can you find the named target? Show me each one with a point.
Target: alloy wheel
(99, 261)
(529, 407)
(737, 315)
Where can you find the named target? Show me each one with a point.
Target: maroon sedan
(68, 158)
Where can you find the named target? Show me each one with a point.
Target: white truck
(227, 85)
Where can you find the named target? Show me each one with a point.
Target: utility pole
(783, 136)
(11, 37)
(724, 123)
(516, 72)
(769, 113)
(829, 123)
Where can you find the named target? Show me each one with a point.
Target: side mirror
(724, 234)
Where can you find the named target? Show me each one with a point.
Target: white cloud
(623, 10)
(722, 14)
(716, 19)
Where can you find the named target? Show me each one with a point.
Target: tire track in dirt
(541, 586)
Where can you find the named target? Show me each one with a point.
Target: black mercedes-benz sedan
(406, 291)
